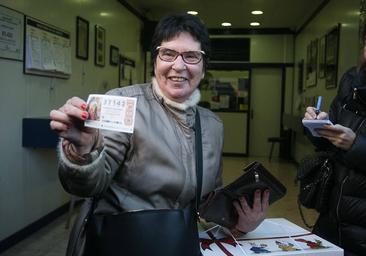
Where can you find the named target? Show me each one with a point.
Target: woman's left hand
(249, 218)
(340, 136)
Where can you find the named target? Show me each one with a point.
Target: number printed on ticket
(114, 113)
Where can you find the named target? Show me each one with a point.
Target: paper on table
(274, 237)
(314, 124)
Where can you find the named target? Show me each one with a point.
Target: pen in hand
(318, 104)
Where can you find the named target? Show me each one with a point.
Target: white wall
(271, 48)
(345, 12)
(29, 186)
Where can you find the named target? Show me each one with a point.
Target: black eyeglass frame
(180, 54)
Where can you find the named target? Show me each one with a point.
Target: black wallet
(219, 208)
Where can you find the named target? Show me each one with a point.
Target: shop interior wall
(29, 186)
(345, 12)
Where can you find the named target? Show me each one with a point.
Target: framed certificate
(11, 34)
(82, 38)
(99, 58)
(113, 55)
(321, 65)
(331, 57)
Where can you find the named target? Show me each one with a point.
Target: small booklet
(218, 208)
(314, 124)
(109, 112)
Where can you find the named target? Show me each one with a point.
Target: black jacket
(345, 222)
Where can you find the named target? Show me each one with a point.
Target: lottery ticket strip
(275, 236)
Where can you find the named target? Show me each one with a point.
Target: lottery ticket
(109, 112)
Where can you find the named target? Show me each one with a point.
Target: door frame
(249, 67)
(282, 86)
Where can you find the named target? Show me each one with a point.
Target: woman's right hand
(310, 114)
(68, 122)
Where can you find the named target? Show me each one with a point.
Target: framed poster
(113, 55)
(121, 73)
(11, 34)
(82, 38)
(331, 57)
(47, 49)
(300, 76)
(321, 65)
(125, 70)
(311, 63)
(99, 57)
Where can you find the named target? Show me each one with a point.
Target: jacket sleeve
(355, 156)
(343, 91)
(95, 175)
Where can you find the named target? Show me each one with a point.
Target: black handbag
(146, 232)
(219, 207)
(156, 232)
(315, 174)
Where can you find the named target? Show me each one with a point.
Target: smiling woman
(176, 78)
(158, 169)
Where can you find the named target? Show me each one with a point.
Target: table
(275, 236)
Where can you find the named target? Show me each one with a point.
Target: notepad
(314, 124)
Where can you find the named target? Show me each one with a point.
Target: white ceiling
(277, 13)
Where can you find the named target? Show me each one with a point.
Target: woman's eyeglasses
(169, 55)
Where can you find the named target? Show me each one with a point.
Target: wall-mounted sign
(47, 49)
(11, 34)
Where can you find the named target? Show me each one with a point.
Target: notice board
(47, 49)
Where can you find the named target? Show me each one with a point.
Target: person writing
(153, 168)
(343, 223)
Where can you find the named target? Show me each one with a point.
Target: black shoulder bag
(164, 232)
(315, 175)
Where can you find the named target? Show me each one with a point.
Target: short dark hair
(172, 25)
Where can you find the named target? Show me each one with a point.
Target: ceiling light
(226, 24)
(192, 12)
(257, 12)
(255, 24)
(104, 14)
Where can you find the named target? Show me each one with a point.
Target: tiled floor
(51, 240)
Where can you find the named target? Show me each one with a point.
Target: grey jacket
(153, 168)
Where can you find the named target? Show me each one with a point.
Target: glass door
(226, 92)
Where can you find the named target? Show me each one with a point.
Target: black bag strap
(198, 147)
(302, 215)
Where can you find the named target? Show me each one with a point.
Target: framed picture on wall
(311, 63)
(113, 55)
(82, 38)
(308, 57)
(300, 76)
(331, 57)
(11, 34)
(99, 58)
(321, 65)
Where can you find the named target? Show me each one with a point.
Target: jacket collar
(192, 101)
